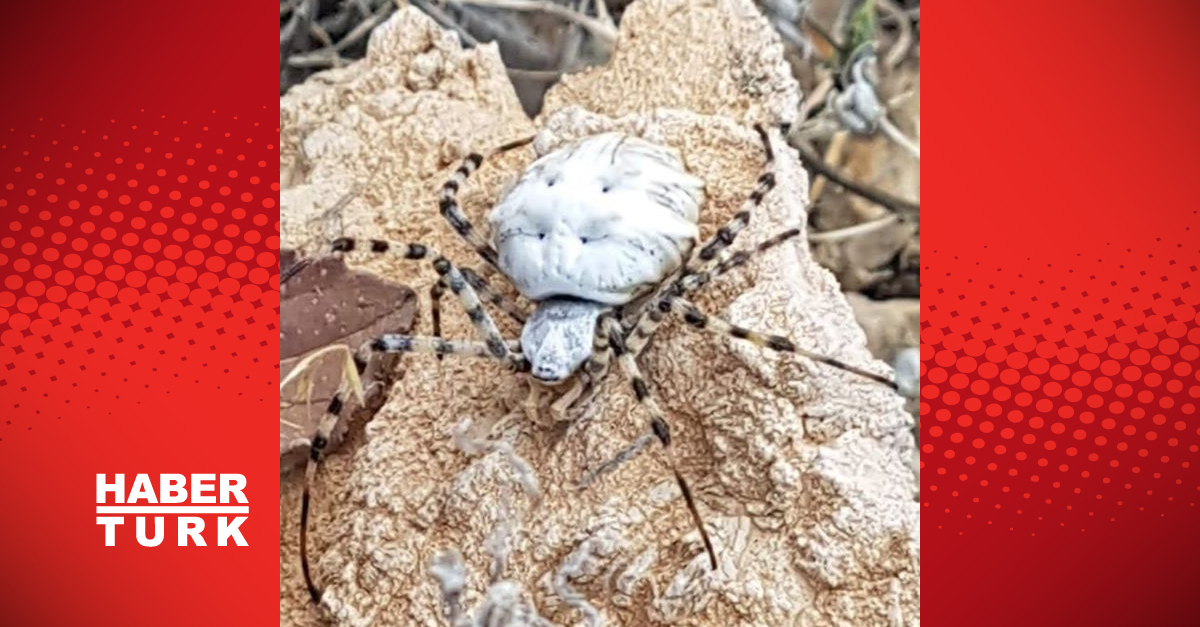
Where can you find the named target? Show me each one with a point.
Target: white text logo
(209, 494)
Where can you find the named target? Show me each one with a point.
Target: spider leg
(651, 317)
(450, 275)
(700, 320)
(709, 255)
(435, 308)
(646, 323)
(592, 371)
(494, 298)
(383, 344)
(451, 210)
(659, 429)
(485, 292)
(725, 235)
(712, 264)
(695, 280)
(392, 343)
(316, 453)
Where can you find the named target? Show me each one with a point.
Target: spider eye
(541, 236)
(551, 182)
(606, 189)
(583, 240)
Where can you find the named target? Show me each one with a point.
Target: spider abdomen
(598, 220)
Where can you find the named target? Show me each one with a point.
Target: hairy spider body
(601, 237)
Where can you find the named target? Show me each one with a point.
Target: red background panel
(96, 60)
(138, 302)
(1060, 338)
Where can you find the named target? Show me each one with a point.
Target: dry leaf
(326, 304)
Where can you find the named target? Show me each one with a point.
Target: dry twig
(857, 230)
(833, 155)
(906, 209)
(904, 40)
(445, 21)
(893, 133)
(597, 28)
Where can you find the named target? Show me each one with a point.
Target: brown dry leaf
(325, 304)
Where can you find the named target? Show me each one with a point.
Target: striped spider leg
(486, 293)
(467, 284)
(493, 346)
(711, 261)
(627, 343)
(451, 210)
(707, 256)
(615, 341)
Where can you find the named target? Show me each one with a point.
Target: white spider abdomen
(599, 220)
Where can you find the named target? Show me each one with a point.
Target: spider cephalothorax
(601, 237)
(557, 337)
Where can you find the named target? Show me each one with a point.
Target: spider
(601, 236)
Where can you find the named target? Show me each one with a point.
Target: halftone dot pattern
(1061, 398)
(138, 256)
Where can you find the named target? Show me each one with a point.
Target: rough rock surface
(800, 470)
(893, 329)
(714, 57)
